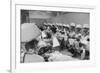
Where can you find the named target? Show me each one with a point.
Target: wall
(77, 18)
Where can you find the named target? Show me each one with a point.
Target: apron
(55, 42)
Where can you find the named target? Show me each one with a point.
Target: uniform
(57, 56)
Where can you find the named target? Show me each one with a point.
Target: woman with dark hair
(54, 29)
(30, 55)
(48, 35)
(56, 44)
(44, 50)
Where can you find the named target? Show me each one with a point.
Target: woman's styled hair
(31, 45)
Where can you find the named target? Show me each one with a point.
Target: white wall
(5, 36)
(73, 17)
